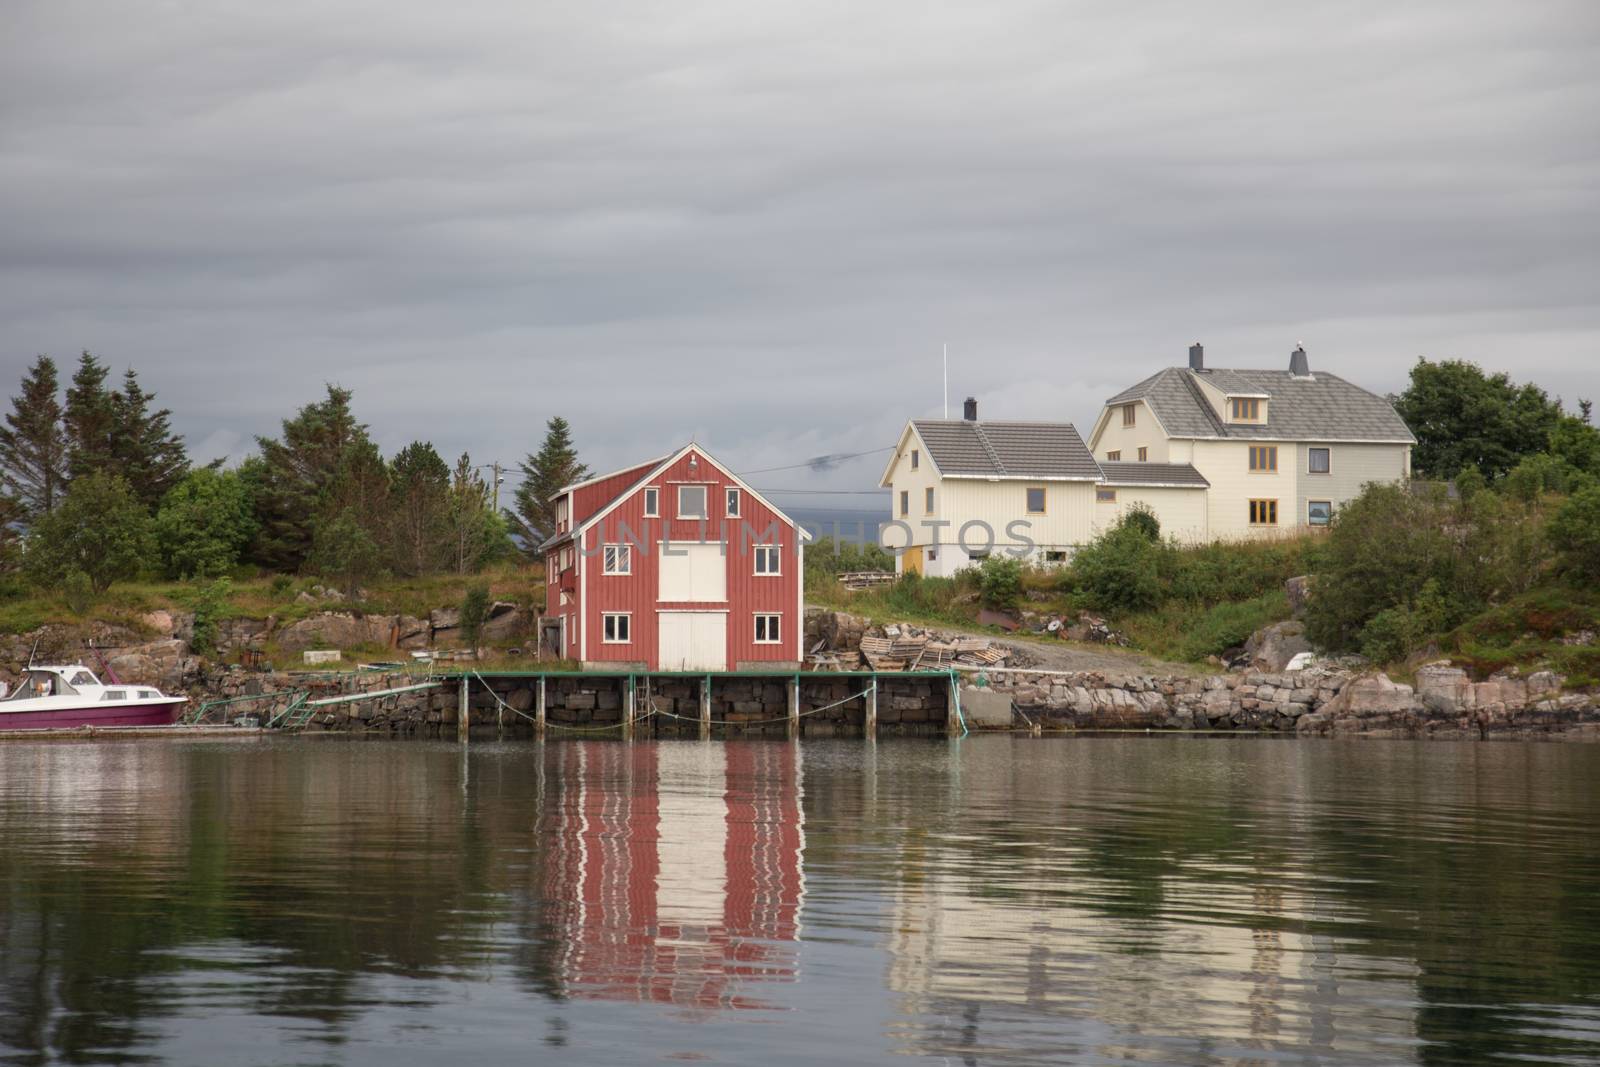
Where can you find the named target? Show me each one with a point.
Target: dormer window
(1129, 414)
(1246, 409)
(561, 515)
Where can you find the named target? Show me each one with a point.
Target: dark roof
(1179, 474)
(1007, 449)
(1323, 407)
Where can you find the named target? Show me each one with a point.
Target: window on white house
(1129, 414)
(767, 559)
(914, 459)
(1144, 453)
(652, 502)
(905, 502)
(927, 500)
(1319, 512)
(1115, 455)
(615, 628)
(1319, 460)
(768, 629)
(1105, 496)
(933, 554)
(1036, 501)
(1055, 555)
(617, 559)
(733, 503)
(691, 502)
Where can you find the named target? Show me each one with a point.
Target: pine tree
(147, 454)
(33, 445)
(477, 535)
(419, 491)
(544, 475)
(91, 421)
(294, 473)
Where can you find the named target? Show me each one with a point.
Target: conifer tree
(33, 445)
(91, 420)
(293, 474)
(544, 475)
(419, 492)
(145, 451)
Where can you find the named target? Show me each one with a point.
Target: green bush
(1000, 581)
(210, 604)
(101, 530)
(1120, 571)
(474, 613)
(78, 591)
(281, 584)
(1394, 633)
(1141, 518)
(203, 524)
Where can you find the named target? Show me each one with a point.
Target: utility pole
(497, 487)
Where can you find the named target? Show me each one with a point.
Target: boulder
(1298, 590)
(841, 631)
(1272, 647)
(1444, 689)
(506, 621)
(158, 663)
(1374, 694)
(338, 630)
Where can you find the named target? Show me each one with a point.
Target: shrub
(1000, 581)
(204, 523)
(210, 603)
(79, 593)
(1141, 518)
(1120, 570)
(344, 551)
(474, 613)
(100, 530)
(281, 584)
(1394, 633)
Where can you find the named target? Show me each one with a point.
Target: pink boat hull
(151, 713)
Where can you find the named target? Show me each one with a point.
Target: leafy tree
(1463, 417)
(1381, 549)
(1394, 633)
(145, 450)
(344, 550)
(1577, 443)
(33, 445)
(91, 420)
(1575, 533)
(210, 605)
(477, 535)
(419, 490)
(101, 529)
(293, 474)
(544, 475)
(474, 613)
(204, 523)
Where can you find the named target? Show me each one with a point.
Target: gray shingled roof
(1008, 449)
(1125, 473)
(1323, 407)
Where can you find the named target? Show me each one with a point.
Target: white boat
(57, 697)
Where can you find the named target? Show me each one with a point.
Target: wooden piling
(463, 716)
(952, 710)
(628, 708)
(705, 708)
(538, 709)
(793, 728)
(869, 723)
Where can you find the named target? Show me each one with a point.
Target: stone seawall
(1445, 703)
(830, 705)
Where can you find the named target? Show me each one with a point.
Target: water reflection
(674, 871)
(995, 900)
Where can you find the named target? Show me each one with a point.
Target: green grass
(1526, 632)
(1190, 632)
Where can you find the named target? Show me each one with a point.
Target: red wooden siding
(636, 593)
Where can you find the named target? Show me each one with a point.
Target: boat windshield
(83, 677)
(36, 684)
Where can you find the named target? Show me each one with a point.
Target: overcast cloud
(756, 223)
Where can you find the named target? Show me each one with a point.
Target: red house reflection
(674, 870)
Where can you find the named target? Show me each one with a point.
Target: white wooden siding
(1182, 512)
(693, 572)
(693, 640)
(1350, 467)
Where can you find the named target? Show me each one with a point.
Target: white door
(693, 572)
(693, 640)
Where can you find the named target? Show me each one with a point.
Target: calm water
(995, 900)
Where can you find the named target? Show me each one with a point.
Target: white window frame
(1103, 495)
(1319, 448)
(1044, 500)
(652, 502)
(774, 628)
(705, 508)
(776, 556)
(927, 500)
(607, 627)
(731, 502)
(616, 559)
(914, 459)
(1328, 504)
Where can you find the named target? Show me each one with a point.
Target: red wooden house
(671, 565)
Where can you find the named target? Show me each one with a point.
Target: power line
(831, 492)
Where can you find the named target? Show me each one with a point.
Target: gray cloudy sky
(757, 222)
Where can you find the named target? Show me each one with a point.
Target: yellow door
(911, 562)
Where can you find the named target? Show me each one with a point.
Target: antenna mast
(947, 380)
